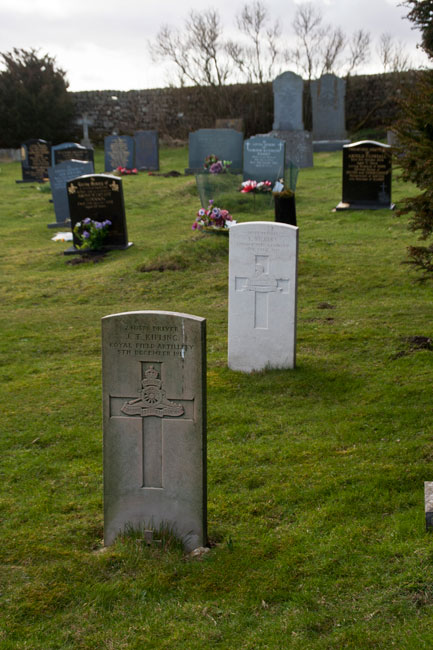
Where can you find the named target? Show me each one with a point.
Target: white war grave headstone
(262, 296)
(154, 412)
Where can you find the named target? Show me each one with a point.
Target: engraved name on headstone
(367, 175)
(263, 158)
(262, 296)
(35, 160)
(154, 387)
(99, 197)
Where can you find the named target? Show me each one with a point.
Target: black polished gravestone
(146, 150)
(59, 175)
(71, 151)
(264, 158)
(98, 197)
(119, 152)
(367, 171)
(225, 144)
(35, 160)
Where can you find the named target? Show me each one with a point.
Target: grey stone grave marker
(154, 411)
(367, 175)
(328, 109)
(35, 160)
(264, 158)
(59, 175)
(99, 197)
(146, 150)
(226, 144)
(119, 152)
(288, 123)
(262, 296)
(71, 151)
(428, 504)
(85, 122)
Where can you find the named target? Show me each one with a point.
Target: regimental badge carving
(72, 189)
(153, 399)
(114, 186)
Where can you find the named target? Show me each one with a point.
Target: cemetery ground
(315, 475)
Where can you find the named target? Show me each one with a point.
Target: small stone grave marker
(367, 174)
(154, 387)
(35, 160)
(99, 197)
(226, 144)
(71, 151)
(262, 296)
(119, 152)
(59, 175)
(146, 150)
(264, 158)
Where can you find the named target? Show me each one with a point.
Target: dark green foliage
(421, 14)
(34, 102)
(415, 150)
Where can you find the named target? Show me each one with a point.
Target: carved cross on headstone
(153, 407)
(262, 283)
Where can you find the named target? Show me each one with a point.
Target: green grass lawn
(315, 476)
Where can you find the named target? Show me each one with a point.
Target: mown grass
(315, 476)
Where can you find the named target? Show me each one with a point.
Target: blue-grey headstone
(146, 150)
(263, 158)
(327, 99)
(226, 144)
(288, 95)
(70, 151)
(35, 160)
(59, 175)
(119, 152)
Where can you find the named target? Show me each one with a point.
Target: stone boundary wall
(371, 102)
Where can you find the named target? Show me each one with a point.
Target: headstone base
(60, 224)
(363, 206)
(299, 147)
(77, 251)
(329, 145)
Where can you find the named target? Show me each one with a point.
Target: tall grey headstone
(328, 112)
(154, 411)
(146, 150)
(59, 176)
(288, 122)
(118, 152)
(262, 296)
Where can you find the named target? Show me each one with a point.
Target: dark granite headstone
(71, 151)
(59, 175)
(35, 160)
(226, 144)
(146, 150)
(99, 197)
(367, 171)
(119, 152)
(263, 158)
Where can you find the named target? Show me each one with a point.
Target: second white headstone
(262, 296)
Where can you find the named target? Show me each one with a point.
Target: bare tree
(255, 60)
(359, 51)
(197, 52)
(392, 54)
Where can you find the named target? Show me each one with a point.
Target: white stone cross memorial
(154, 424)
(262, 296)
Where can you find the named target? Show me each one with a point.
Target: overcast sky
(103, 44)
